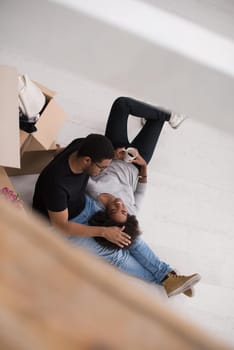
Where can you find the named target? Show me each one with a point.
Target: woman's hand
(119, 153)
(116, 235)
(139, 160)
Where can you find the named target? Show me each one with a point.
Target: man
(60, 189)
(60, 194)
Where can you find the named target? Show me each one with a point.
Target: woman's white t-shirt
(121, 180)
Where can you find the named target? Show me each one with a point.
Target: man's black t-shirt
(58, 188)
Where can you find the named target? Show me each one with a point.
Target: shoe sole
(189, 294)
(185, 286)
(176, 127)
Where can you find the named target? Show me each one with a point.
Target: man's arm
(113, 234)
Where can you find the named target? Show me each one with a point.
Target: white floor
(187, 216)
(188, 212)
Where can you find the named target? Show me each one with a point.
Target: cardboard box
(48, 125)
(15, 142)
(4, 180)
(32, 162)
(9, 118)
(6, 198)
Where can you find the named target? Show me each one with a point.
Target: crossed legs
(146, 140)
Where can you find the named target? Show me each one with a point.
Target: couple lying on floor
(92, 194)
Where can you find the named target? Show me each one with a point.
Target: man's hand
(116, 235)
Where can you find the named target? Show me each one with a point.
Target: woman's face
(117, 210)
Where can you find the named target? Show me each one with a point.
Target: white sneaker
(176, 119)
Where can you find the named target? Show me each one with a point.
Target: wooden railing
(55, 296)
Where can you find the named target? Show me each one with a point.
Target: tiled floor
(188, 212)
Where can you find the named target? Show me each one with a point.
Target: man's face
(95, 168)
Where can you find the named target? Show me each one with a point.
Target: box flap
(4, 180)
(33, 162)
(45, 90)
(48, 127)
(9, 117)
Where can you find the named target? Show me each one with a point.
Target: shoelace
(174, 275)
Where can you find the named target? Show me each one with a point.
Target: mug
(130, 154)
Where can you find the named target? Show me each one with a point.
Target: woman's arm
(139, 160)
(143, 174)
(142, 181)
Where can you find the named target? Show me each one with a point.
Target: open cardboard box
(4, 180)
(33, 161)
(22, 153)
(48, 125)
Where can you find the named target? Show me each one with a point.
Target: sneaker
(175, 284)
(176, 119)
(143, 121)
(189, 292)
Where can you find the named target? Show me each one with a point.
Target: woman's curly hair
(131, 225)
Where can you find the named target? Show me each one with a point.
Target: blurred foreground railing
(54, 296)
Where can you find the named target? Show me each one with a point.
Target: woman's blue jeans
(138, 260)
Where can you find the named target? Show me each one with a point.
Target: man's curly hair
(101, 218)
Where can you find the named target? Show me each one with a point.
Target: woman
(128, 181)
(124, 179)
